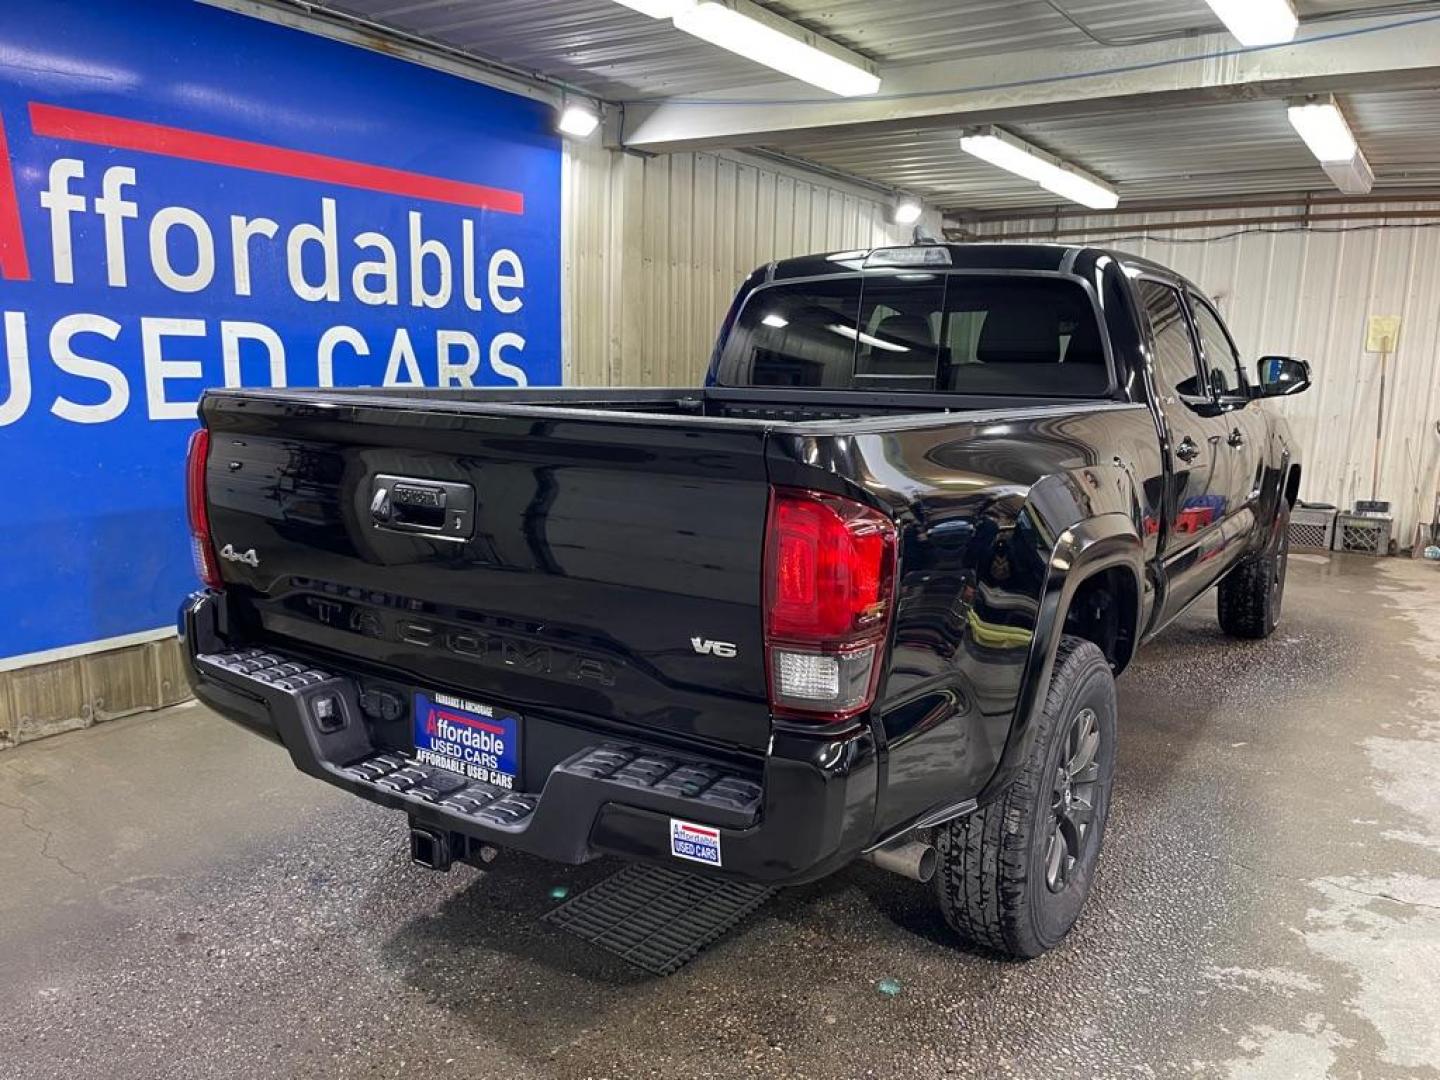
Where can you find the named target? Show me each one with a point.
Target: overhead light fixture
(1322, 125)
(1353, 177)
(578, 121)
(1257, 22)
(779, 322)
(1015, 155)
(656, 9)
(907, 211)
(751, 31)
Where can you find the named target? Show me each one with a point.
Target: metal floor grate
(656, 918)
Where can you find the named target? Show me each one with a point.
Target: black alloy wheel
(1072, 798)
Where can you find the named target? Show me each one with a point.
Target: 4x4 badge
(249, 558)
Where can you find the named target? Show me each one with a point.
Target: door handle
(437, 508)
(1188, 450)
(1237, 438)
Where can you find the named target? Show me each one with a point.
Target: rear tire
(1014, 875)
(1251, 595)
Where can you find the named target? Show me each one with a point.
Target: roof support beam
(961, 219)
(1389, 53)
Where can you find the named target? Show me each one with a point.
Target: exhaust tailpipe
(914, 860)
(430, 848)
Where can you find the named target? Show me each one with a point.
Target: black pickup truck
(863, 595)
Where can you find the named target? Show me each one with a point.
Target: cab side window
(1222, 363)
(1176, 369)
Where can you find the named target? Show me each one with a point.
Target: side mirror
(1281, 376)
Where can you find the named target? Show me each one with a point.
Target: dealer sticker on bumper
(698, 843)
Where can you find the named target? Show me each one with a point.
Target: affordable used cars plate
(476, 740)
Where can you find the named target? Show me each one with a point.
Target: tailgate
(602, 566)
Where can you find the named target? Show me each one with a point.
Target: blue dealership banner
(197, 198)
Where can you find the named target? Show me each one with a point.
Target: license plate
(476, 740)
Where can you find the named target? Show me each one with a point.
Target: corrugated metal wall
(653, 251)
(654, 248)
(1309, 292)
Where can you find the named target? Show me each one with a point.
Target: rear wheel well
(1104, 610)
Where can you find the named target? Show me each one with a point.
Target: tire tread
(1244, 602)
(983, 866)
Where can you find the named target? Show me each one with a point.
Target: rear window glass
(931, 332)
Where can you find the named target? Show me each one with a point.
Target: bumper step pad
(272, 669)
(645, 771)
(325, 705)
(657, 918)
(405, 776)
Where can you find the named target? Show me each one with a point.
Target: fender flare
(1080, 552)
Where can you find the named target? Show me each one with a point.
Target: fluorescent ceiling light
(578, 121)
(656, 9)
(779, 322)
(907, 212)
(751, 31)
(1353, 177)
(1257, 22)
(1014, 155)
(1322, 125)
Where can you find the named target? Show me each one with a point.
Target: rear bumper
(807, 812)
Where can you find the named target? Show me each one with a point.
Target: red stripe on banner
(61, 123)
(456, 718)
(14, 265)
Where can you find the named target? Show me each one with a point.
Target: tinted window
(1176, 371)
(898, 348)
(795, 334)
(1021, 336)
(921, 331)
(1220, 356)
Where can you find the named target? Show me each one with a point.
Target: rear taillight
(202, 546)
(829, 583)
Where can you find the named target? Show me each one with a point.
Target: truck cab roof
(1079, 259)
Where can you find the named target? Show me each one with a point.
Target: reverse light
(202, 544)
(830, 575)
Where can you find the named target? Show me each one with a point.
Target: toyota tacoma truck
(864, 594)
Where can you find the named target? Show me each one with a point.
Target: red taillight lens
(830, 567)
(201, 544)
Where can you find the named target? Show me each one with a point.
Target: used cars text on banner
(199, 198)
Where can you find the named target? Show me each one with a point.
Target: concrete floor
(175, 901)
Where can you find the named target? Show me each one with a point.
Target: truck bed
(769, 406)
(598, 535)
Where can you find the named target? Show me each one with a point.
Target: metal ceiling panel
(1181, 153)
(616, 53)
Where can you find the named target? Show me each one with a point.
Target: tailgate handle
(436, 508)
